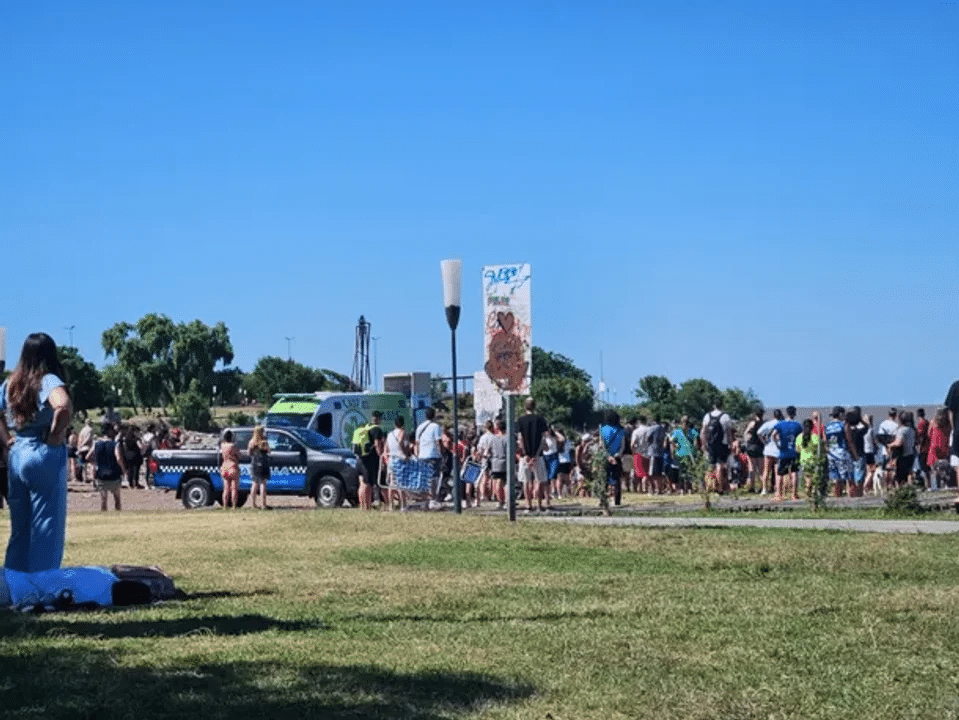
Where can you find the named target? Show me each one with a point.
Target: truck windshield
(287, 420)
(311, 439)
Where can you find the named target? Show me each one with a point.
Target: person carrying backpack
(109, 466)
(717, 436)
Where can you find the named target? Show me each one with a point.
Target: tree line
(565, 393)
(157, 363)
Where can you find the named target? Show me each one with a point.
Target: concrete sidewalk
(932, 527)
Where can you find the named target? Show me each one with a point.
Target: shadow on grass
(51, 683)
(109, 627)
(216, 594)
(469, 616)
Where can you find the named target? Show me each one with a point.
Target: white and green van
(336, 415)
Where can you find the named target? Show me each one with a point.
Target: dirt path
(81, 497)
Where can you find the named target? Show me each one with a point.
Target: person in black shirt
(952, 405)
(532, 469)
(370, 456)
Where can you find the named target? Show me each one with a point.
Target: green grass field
(303, 614)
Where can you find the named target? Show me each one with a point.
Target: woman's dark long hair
(38, 358)
(806, 433)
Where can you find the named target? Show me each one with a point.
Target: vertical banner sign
(508, 331)
(487, 399)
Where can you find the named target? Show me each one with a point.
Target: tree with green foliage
(562, 390)
(162, 359)
(658, 394)
(115, 386)
(228, 383)
(439, 388)
(695, 398)
(275, 375)
(192, 408)
(739, 404)
(549, 364)
(83, 379)
(338, 382)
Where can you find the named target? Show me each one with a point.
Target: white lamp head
(452, 281)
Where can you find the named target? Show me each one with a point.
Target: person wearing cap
(886, 433)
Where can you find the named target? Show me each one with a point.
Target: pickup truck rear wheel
(329, 492)
(197, 492)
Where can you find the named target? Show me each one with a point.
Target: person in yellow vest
(368, 441)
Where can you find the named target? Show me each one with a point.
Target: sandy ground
(81, 497)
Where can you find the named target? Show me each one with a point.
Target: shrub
(238, 419)
(904, 501)
(816, 475)
(598, 467)
(192, 408)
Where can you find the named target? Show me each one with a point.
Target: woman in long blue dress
(36, 405)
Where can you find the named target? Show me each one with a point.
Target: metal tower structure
(361, 355)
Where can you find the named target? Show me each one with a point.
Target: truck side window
(281, 442)
(324, 424)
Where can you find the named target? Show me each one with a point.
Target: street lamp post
(452, 271)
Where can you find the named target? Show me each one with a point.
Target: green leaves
(159, 360)
(83, 379)
(658, 394)
(561, 389)
(694, 398)
(275, 375)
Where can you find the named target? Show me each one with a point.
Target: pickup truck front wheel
(197, 492)
(329, 492)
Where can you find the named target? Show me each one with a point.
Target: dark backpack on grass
(159, 583)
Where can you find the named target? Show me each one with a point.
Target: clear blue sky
(761, 194)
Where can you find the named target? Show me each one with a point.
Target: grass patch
(345, 615)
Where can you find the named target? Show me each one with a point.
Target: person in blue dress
(36, 406)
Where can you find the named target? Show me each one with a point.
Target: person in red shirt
(937, 457)
(817, 427)
(922, 444)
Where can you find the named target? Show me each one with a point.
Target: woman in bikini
(229, 470)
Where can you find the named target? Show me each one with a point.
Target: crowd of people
(116, 452)
(784, 457)
(780, 456)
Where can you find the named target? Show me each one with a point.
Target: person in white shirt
(886, 433)
(426, 440)
(770, 450)
(640, 447)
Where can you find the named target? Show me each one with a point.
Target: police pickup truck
(302, 462)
